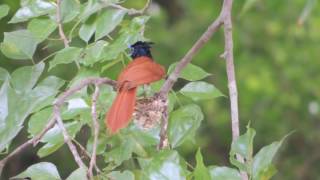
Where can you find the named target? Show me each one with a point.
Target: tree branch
(95, 127)
(224, 18)
(232, 84)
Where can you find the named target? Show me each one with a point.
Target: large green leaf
(93, 53)
(125, 175)
(25, 78)
(224, 173)
(190, 72)
(42, 170)
(165, 165)
(244, 147)
(4, 101)
(200, 172)
(200, 90)
(65, 56)
(69, 10)
(4, 74)
(41, 28)
(127, 37)
(38, 121)
(23, 102)
(4, 10)
(33, 8)
(78, 174)
(183, 124)
(20, 44)
(108, 20)
(262, 161)
(54, 139)
(87, 29)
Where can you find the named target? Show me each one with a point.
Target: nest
(148, 111)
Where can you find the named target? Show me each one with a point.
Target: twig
(61, 32)
(34, 141)
(86, 153)
(95, 126)
(173, 77)
(164, 143)
(56, 111)
(132, 11)
(188, 57)
(66, 137)
(232, 84)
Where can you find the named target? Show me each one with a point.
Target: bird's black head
(141, 48)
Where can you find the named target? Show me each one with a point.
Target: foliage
(100, 34)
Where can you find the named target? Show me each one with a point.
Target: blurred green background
(277, 60)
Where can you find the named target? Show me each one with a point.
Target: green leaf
(127, 37)
(224, 173)
(190, 72)
(108, 20)
(165, 165)
(4, 74)
(93, 53)
(25, 78)
(69, 10)
(38, 121)
(183, 124)
(19, 44)
(54, 139)
(87, 29)
(78, 174)
(120, 153)
(23, 102)
(101, 145)
(262, 161)
(243, 146)
(41, 28)
(125, 175)
(65, 56)
(200, 90)
(4, 10)
(33, 8)
(42, 170)
(200, 172)
(4, 101)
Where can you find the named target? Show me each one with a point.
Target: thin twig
(95, 127)
(66, 137)
(232, 85)
(86, 153)
(173, 77)
(188, 57)
(164, 142)
(61, 32)
(59, 102)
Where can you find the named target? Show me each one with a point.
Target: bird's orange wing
(141, 71)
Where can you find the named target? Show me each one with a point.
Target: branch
(59, 102)
(66, 137)
(163, 132)
(232, 85)
(190, 54)
(95, 126)
(61, 32)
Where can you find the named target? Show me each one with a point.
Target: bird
(140, 71)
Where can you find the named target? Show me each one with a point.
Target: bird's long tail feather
(120, 113)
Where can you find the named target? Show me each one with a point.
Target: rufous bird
(141, 70)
